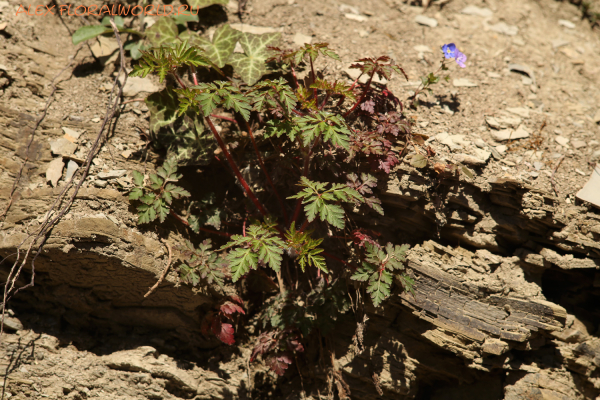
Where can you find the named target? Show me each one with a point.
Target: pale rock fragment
(509, 134)
(112, 174)
(520, 111)
(62, 146)
(578, 144)
(355, 17)
(54, 171)
(420, 48)
(463, 82)
(479, 12)
(469, 159)
(255, 30)
(566, 24)
(591, 191)
(70, 134)
(563, 141)
(503, 28)
(427, 21)
(72, 167)
(559, 43)
(300, 39)
(136, 84)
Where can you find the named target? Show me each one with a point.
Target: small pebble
(563, 141)
(100, 183)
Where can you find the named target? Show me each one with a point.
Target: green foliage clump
(315, 145)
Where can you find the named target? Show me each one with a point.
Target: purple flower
(460, 59)
(450, 51)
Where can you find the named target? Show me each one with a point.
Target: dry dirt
(84, 331)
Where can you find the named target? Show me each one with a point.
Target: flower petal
(461, 59)
(449, 50)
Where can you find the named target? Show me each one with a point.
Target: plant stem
(179, 80)
(235, 168)
(224, 118)
(351, 87)
(294, 75)
(362, 96)
(262, 165)
(280, 281)
(183, 221)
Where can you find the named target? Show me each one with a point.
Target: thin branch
(554, 172)
(362, 96)
(235, 168)
(48, 223)
(165, 272)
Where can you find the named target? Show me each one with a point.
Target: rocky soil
(507, 264)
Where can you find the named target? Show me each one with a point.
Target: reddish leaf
(264, 344)
(229, 308)
(278, 363)
(360, 238)
(237, 299)
(294, 344)
(224, 332)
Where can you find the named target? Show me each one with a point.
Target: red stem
(235, 169)
(262, 165)
(294, 75)
(183, 221)
(179, 80)
(194, 77)
(224, 118)
(351, 87)
(362, 96)
(335, 258)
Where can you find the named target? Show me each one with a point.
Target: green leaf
(135, 194)
(182, 19)
(164, 31)
(222, 45)
(206, 3)
(183, 136)
(119, 22)
(89, 32)
(418, 161)
(138, 178)
(466, 171)
(240, 262)
(251, 65)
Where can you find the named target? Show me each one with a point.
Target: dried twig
(43, 231)
(554, 172)
(165, 272)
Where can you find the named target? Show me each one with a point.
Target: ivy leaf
(222, 45)
(163, 31)
(89, 32)
(251, 65)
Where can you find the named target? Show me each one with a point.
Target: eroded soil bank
(506, 264)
